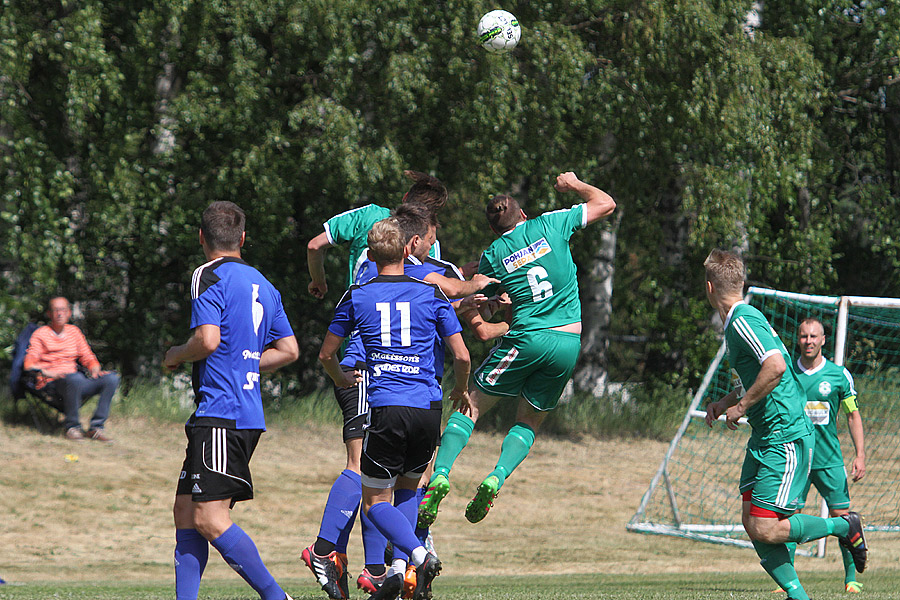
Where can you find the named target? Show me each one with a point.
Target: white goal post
(694, 493)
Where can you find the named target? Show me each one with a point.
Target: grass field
(86, 520)
(705, 586)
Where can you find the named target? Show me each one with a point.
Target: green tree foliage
(120, 122)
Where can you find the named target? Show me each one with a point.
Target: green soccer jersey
(353, 227)
(779, 417)
(535, 267)
(829, 387)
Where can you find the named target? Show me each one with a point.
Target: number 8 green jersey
(534, 265)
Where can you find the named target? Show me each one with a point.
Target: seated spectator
(55, 350)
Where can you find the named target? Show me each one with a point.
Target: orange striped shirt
(58, 352)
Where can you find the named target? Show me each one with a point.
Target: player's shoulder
(444, 267)
(226, 269)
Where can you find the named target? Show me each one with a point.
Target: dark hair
(426, 190)
(222, 224)
(413, 218)
(503, 213)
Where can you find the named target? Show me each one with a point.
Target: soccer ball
(498, 31)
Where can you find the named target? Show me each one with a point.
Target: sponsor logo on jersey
(818, 412)
(526, 255)
(394, 368)
(413, 358)
(824, 388)
(249, 354)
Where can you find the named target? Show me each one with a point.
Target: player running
(779, 452)
(829, 390)
(239, 330)
(535, 359)
(398, 319)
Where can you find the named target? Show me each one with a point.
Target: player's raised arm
(456, 288)
(598, 204)
(315, 260)
(767, 380)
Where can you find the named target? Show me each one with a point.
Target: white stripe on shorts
(790, 467)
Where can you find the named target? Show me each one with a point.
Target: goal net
(694, 493)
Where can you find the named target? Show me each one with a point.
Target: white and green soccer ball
(499, 31)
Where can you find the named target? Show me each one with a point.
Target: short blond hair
(385, 242)
(725, 270)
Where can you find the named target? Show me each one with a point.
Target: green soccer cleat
(853, 587)
(438, 487)
(484, 499)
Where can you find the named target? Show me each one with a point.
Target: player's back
(534, 264)
(399, 319)
(234, 296)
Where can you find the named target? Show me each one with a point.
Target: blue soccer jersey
(354, 351)
(247, 309)
(399, 320)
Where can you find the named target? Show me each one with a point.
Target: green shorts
(778, 474)
(832, 485)
(533, 364)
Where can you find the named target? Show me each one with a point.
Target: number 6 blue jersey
(399, 318)
(247, 309)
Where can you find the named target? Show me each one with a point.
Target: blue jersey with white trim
(399, 319)
(750, 340)
(354, 351)
(247, 309)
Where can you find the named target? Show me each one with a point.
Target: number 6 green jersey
(534, 265)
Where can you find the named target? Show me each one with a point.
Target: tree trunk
(596, 303)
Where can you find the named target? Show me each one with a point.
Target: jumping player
(535, 359)
(398, 319)
(239, 330)
(779, 452)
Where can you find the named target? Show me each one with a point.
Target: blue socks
(422, 534)
(191, 554)
(340, 510)
(241, 554)
(373, 542)
(395, 525)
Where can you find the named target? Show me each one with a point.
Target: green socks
(776, 560)
(456, 436)
(516, 446)
(806, 527)
(849, 567)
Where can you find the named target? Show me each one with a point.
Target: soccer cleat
(369, 583)
(390, 589)
(425, 574)
(853, 587)
(327, 571)
(438, 487)
(484, 499)
(428, 542)
(855, 541)
(342, 580)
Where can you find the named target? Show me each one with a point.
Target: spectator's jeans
(76, 387)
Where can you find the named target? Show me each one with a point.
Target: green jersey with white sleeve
(352, 227)
(829, 389)
(534, 265)
(750, 340)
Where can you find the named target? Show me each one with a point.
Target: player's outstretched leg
(241, 554)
